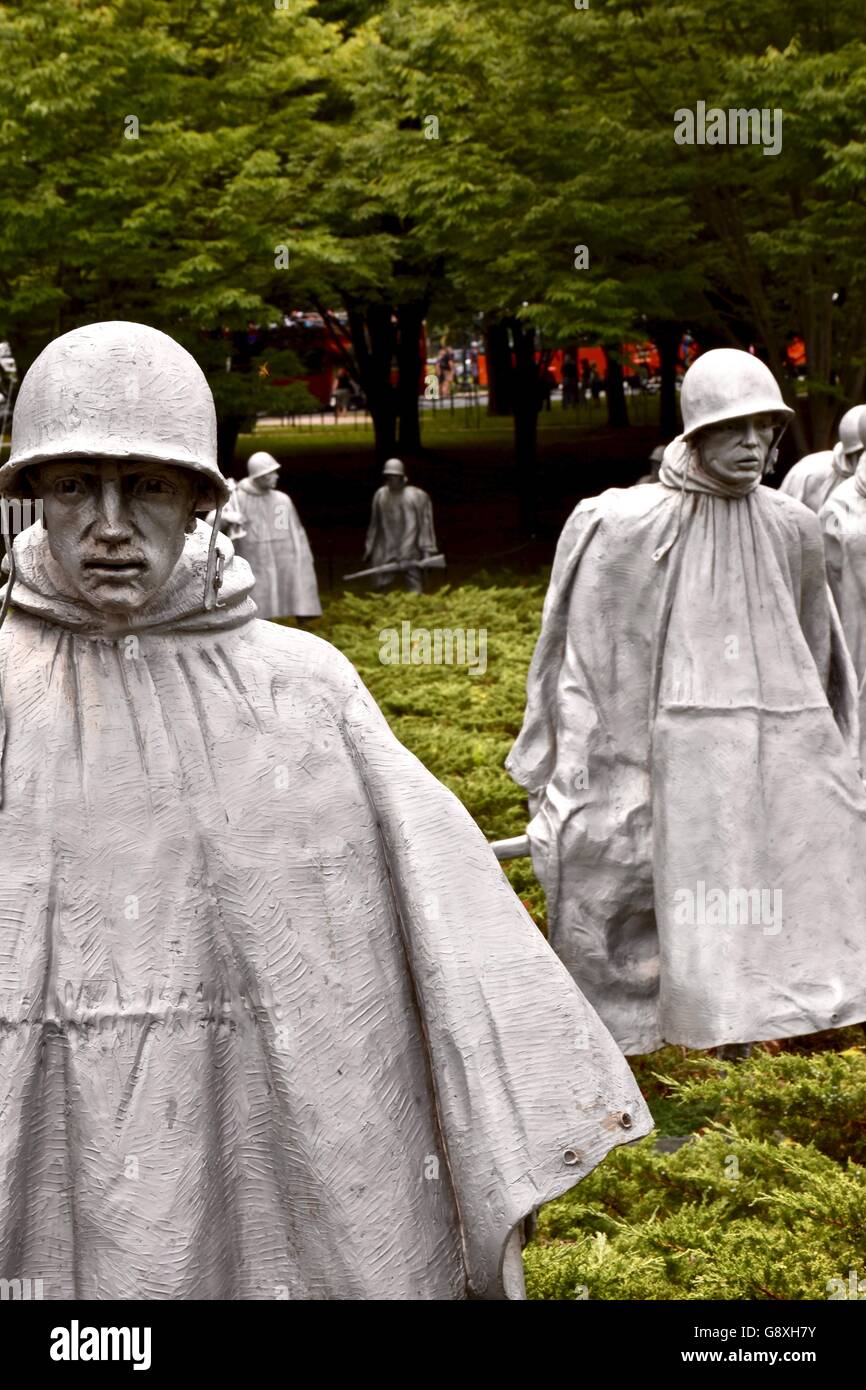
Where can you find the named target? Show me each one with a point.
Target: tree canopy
(198, 166)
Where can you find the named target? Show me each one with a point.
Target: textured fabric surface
(680, 749)
(843, 518)
(272, 1022)
(278, 553)
(814, 479)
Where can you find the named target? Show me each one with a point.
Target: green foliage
(152, 160)
(725, 1217)
(766, 1200)
(305, 126)
(817, 1099)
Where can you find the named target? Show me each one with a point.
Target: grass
(442, 427)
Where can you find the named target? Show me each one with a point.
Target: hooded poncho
(272, 1022)
(700, 825)
(816, 477)
(277, 550)
(843, 518)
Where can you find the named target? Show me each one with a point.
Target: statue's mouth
(115, 569)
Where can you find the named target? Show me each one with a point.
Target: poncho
(815, 478)
(700, 824)
(278, 553)
(401, 526)
(272, 1022)
(843, 518)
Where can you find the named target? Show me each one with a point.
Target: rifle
(433, 562)
(515, 848)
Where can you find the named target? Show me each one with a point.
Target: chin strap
(213, 577)
(10, 558)
(773, 455)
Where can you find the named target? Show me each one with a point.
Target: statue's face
(267, 482)
(736, 450)
(116, 529)
(395, 482)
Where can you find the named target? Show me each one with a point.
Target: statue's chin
(115, 599)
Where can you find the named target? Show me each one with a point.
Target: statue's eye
(69, 487)
(152, 487)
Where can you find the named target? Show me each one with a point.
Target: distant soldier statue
(655, 460)
(401, 528)
(275, 545)
(817, 476)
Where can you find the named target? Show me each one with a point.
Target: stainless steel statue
(274, 1024)
(400, 530)
(275, 544)
(699, 824)
(843, 518)
(815, 478)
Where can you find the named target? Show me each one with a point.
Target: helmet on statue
(260, 464)
(728, 384)
(121, 391)
(852, 427)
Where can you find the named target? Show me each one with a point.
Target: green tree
(154, 165)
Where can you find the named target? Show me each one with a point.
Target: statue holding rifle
(400, 531)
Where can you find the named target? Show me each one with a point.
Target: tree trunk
(228, 430)
(525, 404)
(666, 337)
(617, 412)
(372, 334)
(410, 318)
(500, 372)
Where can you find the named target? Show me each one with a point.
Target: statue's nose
(113, 520)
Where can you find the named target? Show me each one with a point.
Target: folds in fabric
(272, 1023)
(277, 550)
(679, 742)
(843, 518)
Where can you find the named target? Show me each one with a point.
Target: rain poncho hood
(699, 822)
(272, 1022)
